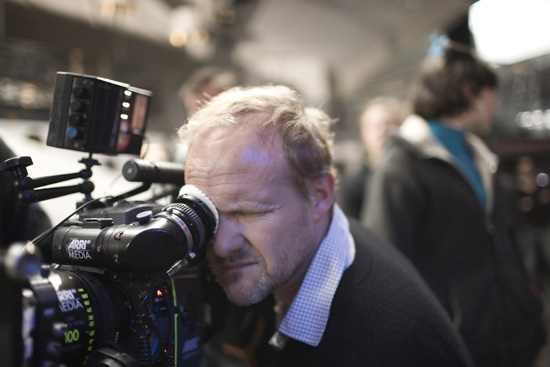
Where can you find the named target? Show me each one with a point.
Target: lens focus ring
(196, 222)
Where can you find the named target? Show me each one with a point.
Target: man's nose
(228, 239)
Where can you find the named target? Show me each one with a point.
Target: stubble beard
(244, 292)
(246, 289)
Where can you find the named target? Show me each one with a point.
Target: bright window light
(510, 31)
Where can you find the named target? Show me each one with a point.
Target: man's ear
(322, 195)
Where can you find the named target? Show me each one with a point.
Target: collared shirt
(308, 314)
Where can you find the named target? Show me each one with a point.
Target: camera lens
(93, 310)
(200, 217)
(180, 230)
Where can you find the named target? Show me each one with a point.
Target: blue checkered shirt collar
(307, 316)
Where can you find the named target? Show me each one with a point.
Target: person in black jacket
(309, 288)
(380, 117)
(434, 196)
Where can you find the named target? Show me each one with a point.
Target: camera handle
(26, 186)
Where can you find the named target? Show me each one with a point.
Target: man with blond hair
(336, 295)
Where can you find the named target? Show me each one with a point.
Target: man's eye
(245, 214)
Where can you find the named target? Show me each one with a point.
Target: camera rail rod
(26, 186)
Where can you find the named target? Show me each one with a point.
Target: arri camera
(118, 282)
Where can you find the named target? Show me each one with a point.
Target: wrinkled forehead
(237, 148)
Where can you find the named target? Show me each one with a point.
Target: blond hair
(306, 133)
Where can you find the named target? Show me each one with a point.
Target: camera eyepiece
(203, 211)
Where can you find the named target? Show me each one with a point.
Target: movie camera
(121, 284)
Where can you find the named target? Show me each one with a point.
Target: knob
(74, 133)
(79, 106)
(144, 217)
(76, 119)
(81, 92)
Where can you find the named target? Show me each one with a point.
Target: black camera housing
(97, 115)
(124, 283)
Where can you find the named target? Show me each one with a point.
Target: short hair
(306, 133)
(445, 85)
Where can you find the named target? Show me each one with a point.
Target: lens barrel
(151, 244)
(91, 308)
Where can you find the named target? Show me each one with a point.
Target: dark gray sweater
(382, 315)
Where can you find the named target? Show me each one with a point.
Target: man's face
(377, 123)
(265, 238)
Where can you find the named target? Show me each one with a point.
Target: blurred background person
(435, 197)
(378, 119)
(533, 202)
(203, 84)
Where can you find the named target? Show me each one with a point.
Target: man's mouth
(234, 267)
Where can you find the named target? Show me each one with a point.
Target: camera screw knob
(144, 217)
(17, 166)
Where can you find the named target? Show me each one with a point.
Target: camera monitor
(97, 115)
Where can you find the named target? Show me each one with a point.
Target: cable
(46, 233)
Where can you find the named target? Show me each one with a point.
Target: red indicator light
(159, 293)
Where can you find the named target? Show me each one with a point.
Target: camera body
(76, 316)
(123, 284)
